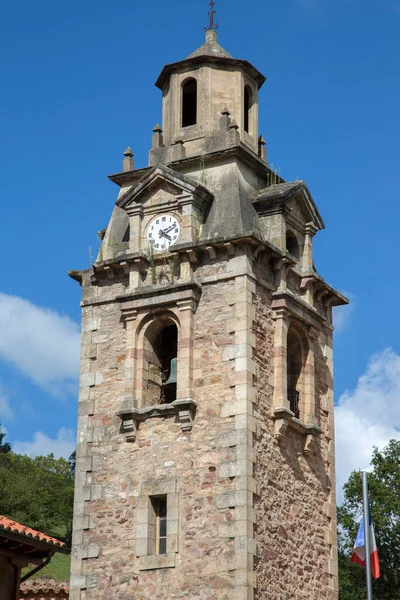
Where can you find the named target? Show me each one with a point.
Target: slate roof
(7, 524)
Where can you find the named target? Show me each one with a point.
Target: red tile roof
(14, 527)
(44, 588)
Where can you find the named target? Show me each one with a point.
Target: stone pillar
(280, 359)
(310, 231)
(89, 378)
(309, 379)
(135, 221)
(241, 438)
(128, 385)
(185, 351)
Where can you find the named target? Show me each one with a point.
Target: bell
(172, 379)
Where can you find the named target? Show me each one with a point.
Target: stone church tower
(205, 456)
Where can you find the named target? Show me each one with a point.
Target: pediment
(163, 184)
(292, 197)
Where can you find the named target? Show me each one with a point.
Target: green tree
(72, 463)
(384, 492)
(4, 446)
(38, 492)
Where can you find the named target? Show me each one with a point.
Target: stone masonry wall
(111, 471)
(292, 501)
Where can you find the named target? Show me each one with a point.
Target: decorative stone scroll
(183, 409)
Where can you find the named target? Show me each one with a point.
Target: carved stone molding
(159, 296)
(284, 418)
(183, 409)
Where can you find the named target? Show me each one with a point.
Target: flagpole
(367, 535)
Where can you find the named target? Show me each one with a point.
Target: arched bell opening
(248, 108)
(297, 352)
(292, 245)
(160, 362)
(189, 102)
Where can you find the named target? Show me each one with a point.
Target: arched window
(160, 362)
(297, 351)
(292, 245)
(248, 105)
(189, 102)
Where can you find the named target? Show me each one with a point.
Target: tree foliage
(384, 493)
(38, 492)
(4, 446)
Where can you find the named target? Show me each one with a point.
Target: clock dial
(162, 232)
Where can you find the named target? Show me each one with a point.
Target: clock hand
(162, 233)
(170, 228)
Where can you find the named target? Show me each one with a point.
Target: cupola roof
(211, 47)
(209, 53)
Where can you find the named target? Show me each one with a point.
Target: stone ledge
(184, 409)
(160, 561)
(285, 418)
(159, 295)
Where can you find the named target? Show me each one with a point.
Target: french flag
(358, 555)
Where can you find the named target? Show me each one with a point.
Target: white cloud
(41, 445)
(41, 343)
(367, 416)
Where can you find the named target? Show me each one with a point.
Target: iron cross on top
(212, 13)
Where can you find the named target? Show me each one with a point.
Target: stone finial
(262, 148)
(225, 119)
(128, 162)
(157, 139)
(233, 125)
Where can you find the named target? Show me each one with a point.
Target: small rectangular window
(159, 504)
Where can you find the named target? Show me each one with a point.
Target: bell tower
(205, 452)
(200, 92)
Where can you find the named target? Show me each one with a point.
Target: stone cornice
(218, 62)
(131, 416)
(295, 306)
(184, 295)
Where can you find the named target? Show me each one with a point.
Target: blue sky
(77, 84)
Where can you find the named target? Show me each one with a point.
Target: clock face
(162, 232)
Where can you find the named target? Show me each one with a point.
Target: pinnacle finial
(128, 163)
(128, 152)
(211, 13)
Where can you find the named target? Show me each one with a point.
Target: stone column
(310, 231)
(309, 379)
(327, 347)
(241, 437)
(135, 221)
(128, 385)
(280, 359)
(186, 310)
